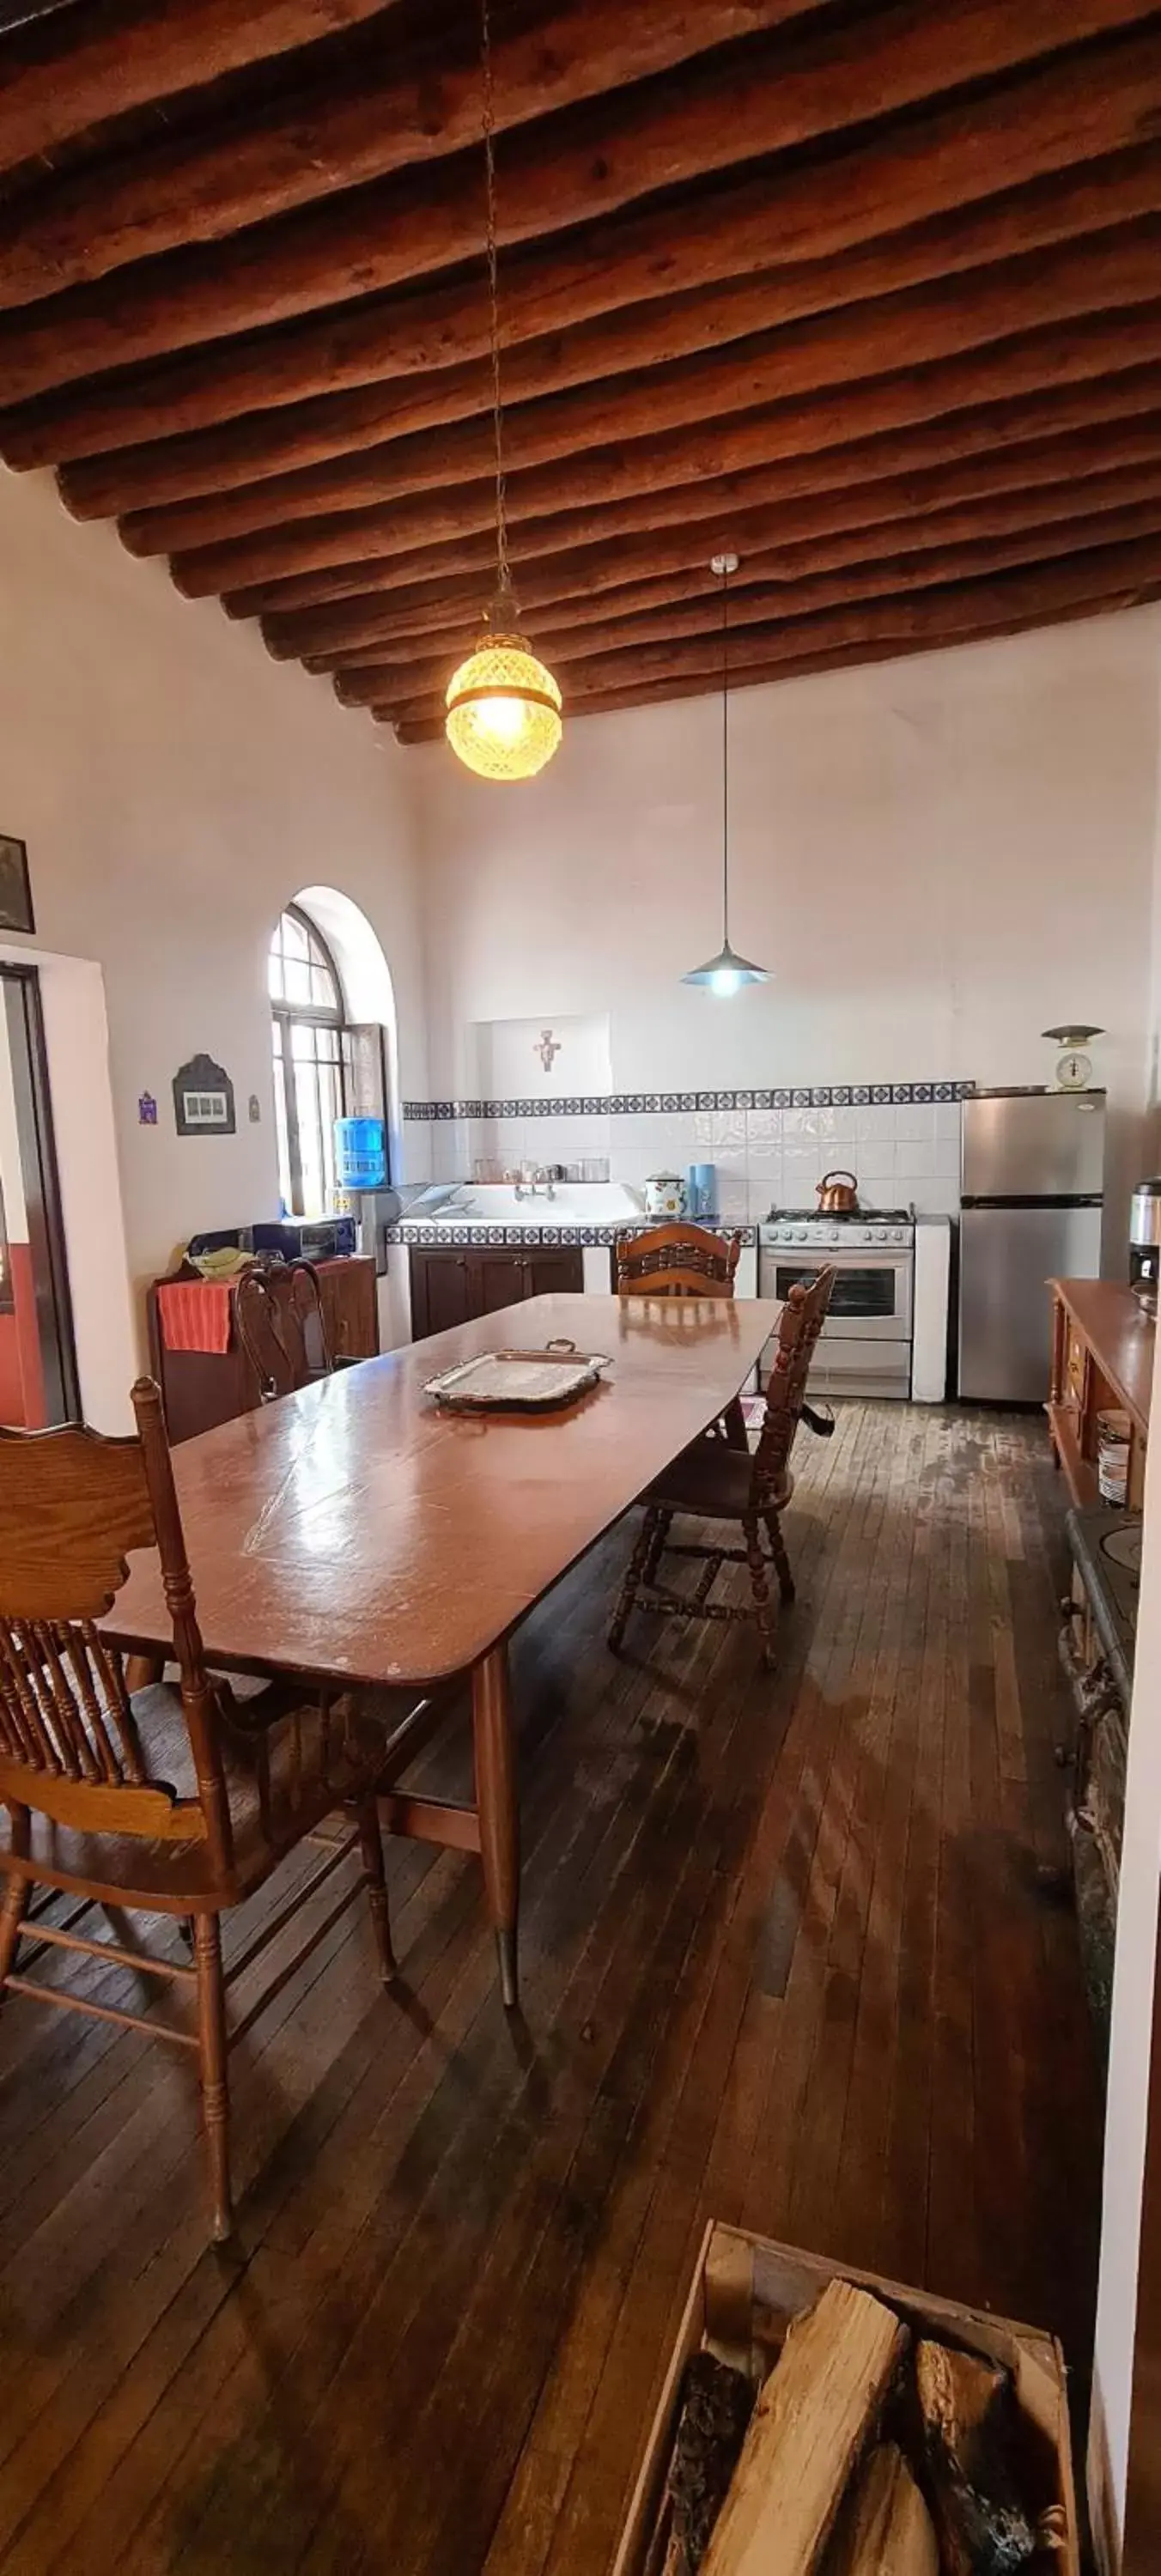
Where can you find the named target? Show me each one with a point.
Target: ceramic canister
(665, 1195)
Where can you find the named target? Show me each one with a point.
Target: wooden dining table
(359, 1532)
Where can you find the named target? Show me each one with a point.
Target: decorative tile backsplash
(769, 1148)
(424, 1235)
(627, 1104)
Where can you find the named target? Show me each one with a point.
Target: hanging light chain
(503, 566)
(726, 750)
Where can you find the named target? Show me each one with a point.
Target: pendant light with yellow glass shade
(503, 706)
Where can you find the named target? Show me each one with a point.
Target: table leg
(497, 1806)
(142, 1670)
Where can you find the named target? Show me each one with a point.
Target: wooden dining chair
(676, 1261)
(179, 1801)
(278, 1312)
(712, 1482)
(684, 1261)
(298, 1297)
(258, 1321)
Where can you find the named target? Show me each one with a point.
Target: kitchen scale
(1073, 1066)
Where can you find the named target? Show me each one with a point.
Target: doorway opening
(38, 1366)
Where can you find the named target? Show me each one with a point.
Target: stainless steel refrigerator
(1032, 1179)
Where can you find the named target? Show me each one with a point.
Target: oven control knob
(896, 1234)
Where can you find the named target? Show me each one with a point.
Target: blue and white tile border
(414, 1230)
(629, 1104)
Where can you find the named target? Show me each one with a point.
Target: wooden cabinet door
(498, 1279)
(550, 1272)
(350, 1306)
(440, 1291)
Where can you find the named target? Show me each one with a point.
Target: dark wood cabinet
(350, 1305)
(451, 1283)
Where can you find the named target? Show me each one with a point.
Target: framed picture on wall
(15, 889)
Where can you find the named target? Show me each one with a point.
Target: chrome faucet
(541, 1183)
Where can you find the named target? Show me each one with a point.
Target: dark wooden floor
(786, 1961)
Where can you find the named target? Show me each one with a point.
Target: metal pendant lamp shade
(503, 704)
(727, 972)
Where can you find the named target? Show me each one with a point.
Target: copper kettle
(838, 1194)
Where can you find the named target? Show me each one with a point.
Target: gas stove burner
(849, 1231)
(841, 1216)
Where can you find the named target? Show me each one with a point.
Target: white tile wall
(901, 1153)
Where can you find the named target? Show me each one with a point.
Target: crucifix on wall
(547, 1048)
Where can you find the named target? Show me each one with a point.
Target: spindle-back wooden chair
(684, 1261)
(677, 1261)
(178, 1801)
(710, 1481)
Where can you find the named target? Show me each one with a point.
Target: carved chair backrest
(677, 1261)
(279, 1315)
(72, 1506)
(259, 1322)
(800, 1324)
(301, 1319)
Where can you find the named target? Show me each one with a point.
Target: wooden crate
(745, 2291)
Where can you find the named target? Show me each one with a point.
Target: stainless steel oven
(865, 1347)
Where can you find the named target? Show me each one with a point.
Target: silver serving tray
(518, 1381)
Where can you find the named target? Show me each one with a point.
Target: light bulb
(505, 718)
(724, 981)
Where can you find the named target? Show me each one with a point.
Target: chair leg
(663, 1523)
(371, 1846)
(756, 1560)
(212, 2060)
(643, 1549)
(12, 1913)
(781, 1560)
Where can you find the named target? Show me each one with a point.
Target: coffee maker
(1145, 1242)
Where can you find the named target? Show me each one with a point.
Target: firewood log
(966, 2406)
(717, 2403)
(813, 2416)
(884, 2528)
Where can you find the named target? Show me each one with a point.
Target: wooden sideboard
(1102, 1361)
(202, 1388)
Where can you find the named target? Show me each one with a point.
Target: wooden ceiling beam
(70, 78)
(356, 127)
(775, 93)
(771, 548)
(782, 221)
(899, 553)
(927, 323)
(429, 727)
(1123, 574)
(141, 483)
(571, 648)
(1025, 473)
(644, 463)
(1099, 389)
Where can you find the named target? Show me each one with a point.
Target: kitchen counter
(1120, 1336)
(1103, 1349)
(544, 1228)
(586, 1213)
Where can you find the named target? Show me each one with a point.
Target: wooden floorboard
(792, 1955)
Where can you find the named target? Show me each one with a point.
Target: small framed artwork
(203, 1099)
(15, 889)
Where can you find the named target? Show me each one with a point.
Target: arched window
(310, 1062)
